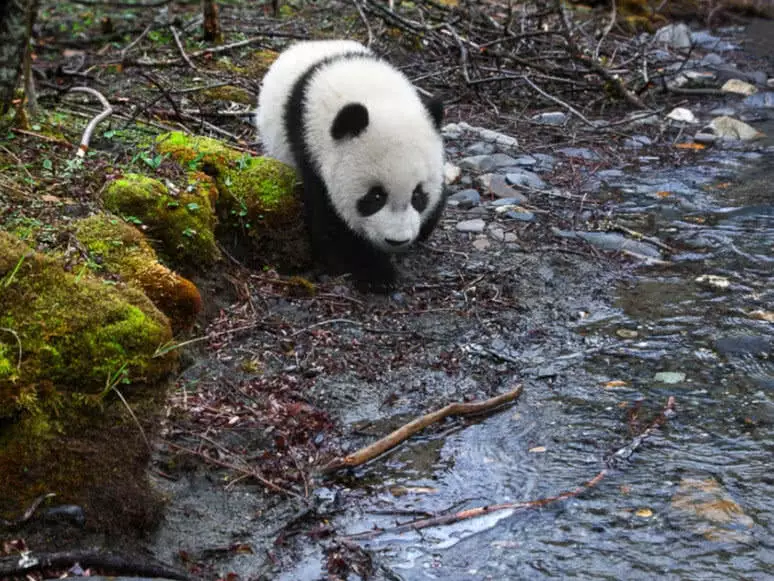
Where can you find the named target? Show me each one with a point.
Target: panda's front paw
(380, 280)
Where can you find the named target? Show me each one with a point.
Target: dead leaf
(663, 194)
(644, 513)
(693, 146)
(615, 383)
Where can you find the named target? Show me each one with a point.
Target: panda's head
(385, 172)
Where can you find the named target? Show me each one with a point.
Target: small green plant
(152, 161)
(7, 280)
(243, 161)
(133, 220)
(194, 163)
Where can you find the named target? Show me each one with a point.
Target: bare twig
(558, 101)
(405, 432)
(27, 513)
(18, 342)
(365, 22)
(608, 27)
(106, 112)
(136, 41)
(179, 44)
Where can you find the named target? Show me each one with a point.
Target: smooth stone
(502, 160)
(744, 345)
(521, 215)
(465, 199)
(719, 111)
(550, 118)
(525, 179)
(481, 243)
(730, 128)
(682, 115)
(451, 173)
(481, 148)
(637, 141)
(476, 226)
(705, 138)
(674, 35)
(610, 241)
(477, 163)
(739, 87)
(515, 201)
(579, 152)
(711, 59)
(499, 188)
(711, 42)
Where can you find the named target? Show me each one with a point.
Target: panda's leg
(432, 220)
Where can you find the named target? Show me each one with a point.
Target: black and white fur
(368, 149)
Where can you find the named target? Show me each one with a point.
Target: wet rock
(711, 59)
(674, 36)
(758, 345)
(760, 100)
(711, 42)
(481, 148)
(476, 225)
(481, 243)
(669, 377)
(515, 201)
(637, 141)
(499, 188)
(770, 83)
(705, 138)
(479, 163)
(611, 241)
(580, 153)
(497, 233)
(730, 128)
(525, 179)
(502, 160)
(739, 87)
(451, 173)
(465, 199)
(550, 118)
(682, 115)
(708, 510)
(455, 131)
(608, 174)
(720, 111)
(693, 79)
(519, 214)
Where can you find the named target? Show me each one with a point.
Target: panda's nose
(392, 242)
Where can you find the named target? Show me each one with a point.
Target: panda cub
(367, 147)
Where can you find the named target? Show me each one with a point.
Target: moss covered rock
(116, 247)
(230, 93)
(75, 332)
(257, 197)
(62, 429)
(183, 221)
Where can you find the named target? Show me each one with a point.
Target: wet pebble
(519, 214)
(479, 163)
(760, 100)
(637, 141)
(674, 35)
(502, 160)
(611, 241)
(711, 59)
(720, 111)
(550, 118)
(481, 243)
(682, 115)
(476, 225)
(465, 199)
(709, 41)
(525, 179)
(481, 148)
(730, 128)
(501, 235)
(739, 87)
(579, 152)
(499, 188)
(451, 173)
(515, 201)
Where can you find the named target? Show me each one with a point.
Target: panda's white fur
(397, 146)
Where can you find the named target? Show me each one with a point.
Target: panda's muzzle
(397, 243)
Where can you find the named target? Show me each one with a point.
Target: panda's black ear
(435, 108)
(351, 121)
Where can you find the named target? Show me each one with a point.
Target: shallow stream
(696, 500)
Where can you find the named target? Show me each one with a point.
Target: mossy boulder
(257, 197)
(118, 248)
(66, 342)
(183, 221)
(75, 331)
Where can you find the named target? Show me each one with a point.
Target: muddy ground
(283, 376)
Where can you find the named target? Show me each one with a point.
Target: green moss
(74, 331)
(257, 196)
(120, 249)
(230, 93)
(184, 223)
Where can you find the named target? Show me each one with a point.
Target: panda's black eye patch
(419, 199)
(372, 202)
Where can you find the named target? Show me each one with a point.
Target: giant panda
(368, 149)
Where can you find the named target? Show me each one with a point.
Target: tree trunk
(212, 32)
(16, 19)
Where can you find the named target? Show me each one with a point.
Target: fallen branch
(106, 112)
(404, 433)
(28, 562)
(180, 47)
(12, 524)
(446, 519)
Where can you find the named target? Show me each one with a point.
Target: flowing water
(696, 500)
